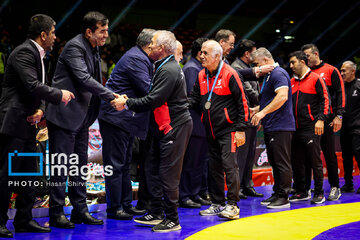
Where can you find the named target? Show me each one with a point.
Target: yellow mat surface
(305, 223)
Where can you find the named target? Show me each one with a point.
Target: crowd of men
(195, 124)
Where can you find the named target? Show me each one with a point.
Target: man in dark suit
(78, 70)
(131, 76)
(21, 108)
(194, 174)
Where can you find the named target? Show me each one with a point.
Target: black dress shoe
(85, 218)
(347, 188)
(120, 215)
(202, 201)
(61, 222)
(31, 226)
(206, 196)
(4, 232)
(189, 204)
(242, 196)
(135, 211)
(251, 192)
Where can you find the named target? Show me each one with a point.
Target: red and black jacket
(310, 100)
(335, 85)
(229, 111)
(167, 98)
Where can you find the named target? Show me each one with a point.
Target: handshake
(119, 101)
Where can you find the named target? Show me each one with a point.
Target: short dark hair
(299, 55)
(145, 37)
(244, 45)
(224, 34)
(312, 46)
(91, 19)
(196, 46)
(40, 23)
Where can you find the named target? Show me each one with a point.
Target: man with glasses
(226, 39)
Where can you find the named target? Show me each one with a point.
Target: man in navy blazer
(78, 70)
(131, 76)
(22, 105)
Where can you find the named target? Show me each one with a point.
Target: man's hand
(336, 124)
(253, 111)
(263, 70)
(257, 117)
(319, 127)
(239, 138)
(67, 96)
(36, 117)
(119, 102)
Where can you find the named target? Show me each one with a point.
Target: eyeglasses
(231, 44)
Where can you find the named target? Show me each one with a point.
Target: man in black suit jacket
(21, 108)
(78, 70)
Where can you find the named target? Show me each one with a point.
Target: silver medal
(207, 105)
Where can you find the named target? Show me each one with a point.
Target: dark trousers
(350, 145)
(25, 194)
(143, 192)
(68, 142)
(223, 157)
(193, 168)
(117, 153)
(246, 158)
(163, 170)
(305, 153)
(278, 148)
(327, 144)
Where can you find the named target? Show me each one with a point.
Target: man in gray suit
(246, 155)
(78, 70)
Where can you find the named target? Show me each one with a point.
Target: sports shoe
(335, 194)
(300, 197)
(279, 203)
(347, 188)
(213, 210)
(230, 212)
(166, 226)
(149, 219)
(318, 198)
(269, 200)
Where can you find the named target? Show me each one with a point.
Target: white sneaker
(213, 210)
(230, 212)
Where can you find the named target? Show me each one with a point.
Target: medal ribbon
(216, 78)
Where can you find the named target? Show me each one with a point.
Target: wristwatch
(339, 117)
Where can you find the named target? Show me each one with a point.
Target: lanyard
(216, 78)
(265, 80)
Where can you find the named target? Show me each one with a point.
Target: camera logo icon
(24, 157)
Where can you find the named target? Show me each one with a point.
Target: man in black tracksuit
(311, 106)
(350, 132)
(219, 94)
(171, 127)
(335, 86)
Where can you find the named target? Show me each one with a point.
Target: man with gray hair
(275, 111)
(131, 76)
(220, 95)
(171, 127)
(350, 132)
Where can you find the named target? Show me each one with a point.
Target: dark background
(308, 23)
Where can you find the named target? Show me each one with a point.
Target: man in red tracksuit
(311, 105)
(335, 85)
(219, 94)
